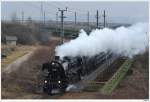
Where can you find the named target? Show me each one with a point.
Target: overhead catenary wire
(48, 12)
(39, 8)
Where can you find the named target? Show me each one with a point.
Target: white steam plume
(127, 41)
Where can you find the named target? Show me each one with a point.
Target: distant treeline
(25, 33)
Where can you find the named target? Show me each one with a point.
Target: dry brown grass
(22, 83)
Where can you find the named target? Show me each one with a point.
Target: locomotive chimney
(57, 57)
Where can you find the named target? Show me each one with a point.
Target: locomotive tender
(69, 70)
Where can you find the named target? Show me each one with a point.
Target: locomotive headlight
(45, 81)
(53, 63)
(59, 82)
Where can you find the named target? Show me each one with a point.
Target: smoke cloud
(126, 41)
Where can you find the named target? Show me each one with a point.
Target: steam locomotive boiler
(69, 70)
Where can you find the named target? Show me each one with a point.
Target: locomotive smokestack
(57, 57)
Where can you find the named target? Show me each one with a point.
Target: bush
(26, 34)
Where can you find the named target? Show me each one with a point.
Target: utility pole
(88, 14)
(104, 16)
(22, 14)
(97, 18)
(56, 21)
(75, 15)
(44, 17)
(62, 23)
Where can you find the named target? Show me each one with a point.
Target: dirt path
(17, 63)
(20, 78)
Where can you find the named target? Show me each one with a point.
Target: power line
(39, 9)
(71, 9)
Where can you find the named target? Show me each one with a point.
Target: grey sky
(125, 12)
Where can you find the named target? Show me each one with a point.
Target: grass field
(13, 55)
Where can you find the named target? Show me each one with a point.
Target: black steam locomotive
(62, 72)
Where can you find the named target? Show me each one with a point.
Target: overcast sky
(124, 12)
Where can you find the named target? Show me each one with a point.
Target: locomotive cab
(55, 79)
